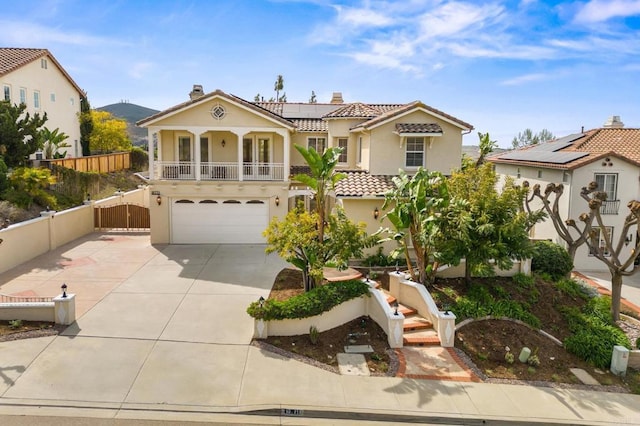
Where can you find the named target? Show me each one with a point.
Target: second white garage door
(207, 221)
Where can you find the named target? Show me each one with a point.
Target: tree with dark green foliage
(20, 133)
(528, 137)
(86, 125)
(4, 180)
(552, 259)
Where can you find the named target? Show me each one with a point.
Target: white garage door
(207, 221)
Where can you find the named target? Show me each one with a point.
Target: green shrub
(311, 303)
(573, 288)
(551, 258)
(594, 333)
(522, 280)
(139, 159)
(4, 180)
(378, 259)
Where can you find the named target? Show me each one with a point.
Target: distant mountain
(131, 113)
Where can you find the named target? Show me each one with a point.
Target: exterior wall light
(223, 143)
(277, 201)
(159, 200)
(376, 213)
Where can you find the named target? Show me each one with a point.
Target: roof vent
(613, 122)
(197, 92)
(337, 98)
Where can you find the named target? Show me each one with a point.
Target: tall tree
(603, 246)
(109, 134)
(528, 137)
(416, 211)
(20, 134)
(278, 86)
(296, 240)
(483, 225)
(549, 206)
(321, 180)
(86, 125)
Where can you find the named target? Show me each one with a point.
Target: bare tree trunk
(467, 273)
(616, 294)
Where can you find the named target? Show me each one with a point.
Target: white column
(287, 154)
(240, 156)
(196, 147)
(150, 151)
(64, 310)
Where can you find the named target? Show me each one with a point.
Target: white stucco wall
(62, 113)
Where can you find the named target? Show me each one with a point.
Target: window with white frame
(184, 148)
(319, 144)
(72, 101)
(43, 63)
(608, 182)
(342, 143)
(53, 97)
(359, 149)
(415, 152)
(601, 240)
(23, 96)
(7, 92)
(36, 99)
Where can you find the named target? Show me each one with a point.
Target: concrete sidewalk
(165, 335)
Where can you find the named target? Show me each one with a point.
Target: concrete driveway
(163, 335)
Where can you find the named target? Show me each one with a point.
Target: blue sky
(502, 66)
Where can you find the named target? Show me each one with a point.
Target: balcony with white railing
(610, 207)
(218, 171)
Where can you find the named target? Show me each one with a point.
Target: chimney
(197, 92)
(613, 122)
(337, 98)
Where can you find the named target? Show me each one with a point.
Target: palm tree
(278, 86)
(54, 140)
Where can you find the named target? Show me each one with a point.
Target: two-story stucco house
(35, 78)
(223, 165)
(609, 156)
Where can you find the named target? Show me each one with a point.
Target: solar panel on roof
(557, 144)
(544, 156)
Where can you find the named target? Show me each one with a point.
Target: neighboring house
(224, 164)
(35, 78)
(609, 156)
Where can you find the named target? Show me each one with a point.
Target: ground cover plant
(490, 344)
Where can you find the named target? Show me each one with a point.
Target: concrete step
(427, 337)
(416, 322)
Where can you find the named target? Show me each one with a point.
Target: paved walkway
(164, 335)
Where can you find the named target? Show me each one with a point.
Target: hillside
(131, 113)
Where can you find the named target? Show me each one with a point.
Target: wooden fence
(96, 163)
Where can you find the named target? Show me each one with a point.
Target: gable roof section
(354, 110)
(310, 125)
(574, 151)
(14, 58)
(359, 183)
(402, 110)
(218, 94)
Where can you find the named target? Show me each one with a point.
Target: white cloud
(452, 19)
(28, 34)
(383, 61)
(527, 78)
(362, 17)
(139, 69)
(603, 10)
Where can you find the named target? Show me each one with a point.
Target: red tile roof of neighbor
(595, 144)
(13, 58)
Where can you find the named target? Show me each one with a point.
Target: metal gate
(121, 216)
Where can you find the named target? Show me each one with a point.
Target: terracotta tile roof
(394, 112)
(299, 170)
(13, 58)
(310, 125)
(418, 128)
(359, 183)
(219, 93)
(596, 144)
(355, 110)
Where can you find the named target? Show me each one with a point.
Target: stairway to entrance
(417, 330)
